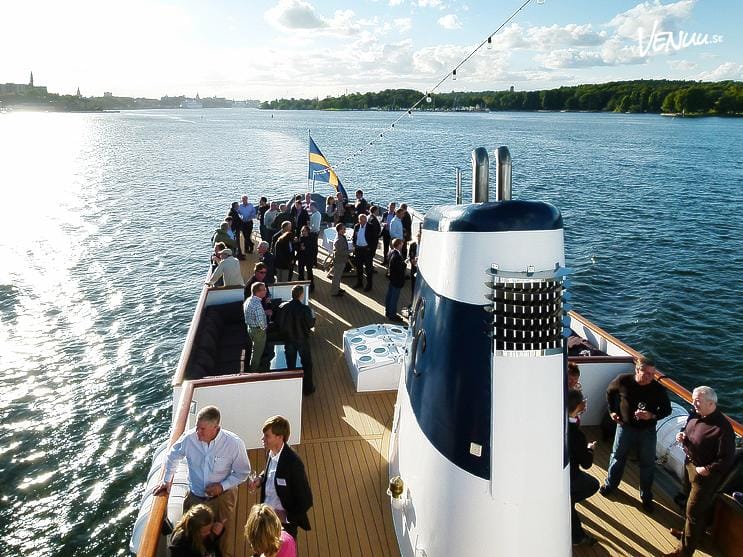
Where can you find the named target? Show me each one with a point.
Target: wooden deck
(345, 437)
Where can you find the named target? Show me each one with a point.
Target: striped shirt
(255, 316)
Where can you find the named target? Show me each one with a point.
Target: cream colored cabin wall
(245, 406)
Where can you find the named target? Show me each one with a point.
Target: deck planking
(345, 437)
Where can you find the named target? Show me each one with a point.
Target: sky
(266, 49)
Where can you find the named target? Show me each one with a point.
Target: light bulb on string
(410, 113)
(454, 75)
(428, 98)
(490, 42)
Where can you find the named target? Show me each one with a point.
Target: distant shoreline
(47, 109)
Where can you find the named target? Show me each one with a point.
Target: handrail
(662, 378)
(151, 534)
(238, 287)
(601, 359)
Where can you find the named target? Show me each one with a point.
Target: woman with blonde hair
(194, 536)
(265, 536)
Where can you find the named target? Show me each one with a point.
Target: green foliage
(652, 96)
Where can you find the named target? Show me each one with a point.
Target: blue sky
(314, 48)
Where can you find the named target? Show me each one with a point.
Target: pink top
(288, 545)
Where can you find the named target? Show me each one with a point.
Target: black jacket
(397, 269)
(292, 487)
(624, 394)
(305, 249)
(269, 259)
(296, 321)
(299, 220)
(283, 251)
(580, 455)
(180, 546)
(372, 233)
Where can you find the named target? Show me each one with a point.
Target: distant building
(108, 94)
(511, 89)
(21, 89)
(78, 92)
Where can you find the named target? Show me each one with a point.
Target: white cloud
(571, 58)
(294, 14)
(554, 36)
(403, 24)
(395, 2)
(450, 21)
(682, 64)
(429, 3)
(727, 70)
(643, 17)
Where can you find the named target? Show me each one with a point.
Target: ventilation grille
(528, 310)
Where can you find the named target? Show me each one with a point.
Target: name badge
(281, 481)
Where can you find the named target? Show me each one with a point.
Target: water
(105, 222)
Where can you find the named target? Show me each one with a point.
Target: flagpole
(309, 138)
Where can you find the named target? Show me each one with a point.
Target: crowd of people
(217, 465)
(289, 243)
(636, 402)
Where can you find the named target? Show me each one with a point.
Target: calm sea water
(105, 221)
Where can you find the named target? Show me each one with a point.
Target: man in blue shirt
(217, 464)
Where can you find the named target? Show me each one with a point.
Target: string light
(453, 75)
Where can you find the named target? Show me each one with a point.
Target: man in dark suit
(296, 322)
(397, 281)
(300, 217)
(361, 205)
(365, 239)
(284, 484)
(387, 216)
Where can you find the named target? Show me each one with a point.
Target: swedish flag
(320, 170)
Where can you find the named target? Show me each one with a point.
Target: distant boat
(191, 103)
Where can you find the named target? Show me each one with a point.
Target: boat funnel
(480, 175)
(502, 174)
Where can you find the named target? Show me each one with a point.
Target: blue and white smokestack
(479, 432)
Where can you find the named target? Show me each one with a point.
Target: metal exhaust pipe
(480, 175)
(502, 174)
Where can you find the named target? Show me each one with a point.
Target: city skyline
(298, 48)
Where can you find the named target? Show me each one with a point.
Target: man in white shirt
(315, 221)
(229, 268)
(284, 484)
(217, 464)
(247, 213)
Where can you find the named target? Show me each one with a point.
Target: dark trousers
(413, 275)
(582, 486)
(698, 506)
(363, 256)
(247, 230)
(306, 265)
(291, 349)
(313, 240)
(386, 240)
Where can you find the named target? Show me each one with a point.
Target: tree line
(651, 96)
